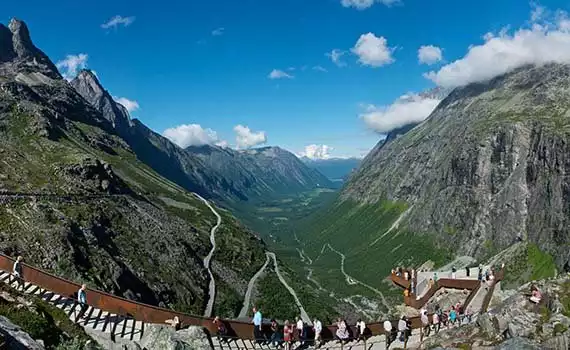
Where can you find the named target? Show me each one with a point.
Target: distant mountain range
(227, 175)
(335, 169)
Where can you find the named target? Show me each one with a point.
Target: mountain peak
(18, 53)
(21, 40)
(86, 79)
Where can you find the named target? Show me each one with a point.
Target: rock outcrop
(516, 323)
(16, 338)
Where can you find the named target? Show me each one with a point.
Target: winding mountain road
(304, 316)
(208, 258)
(250, 285)
(352, 281)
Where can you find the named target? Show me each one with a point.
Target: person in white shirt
(388, 333)
(17, 272)
(318, 328)
(361, 327)
(403, 328)
(300, 330)
(425, 323)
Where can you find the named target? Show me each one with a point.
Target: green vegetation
(529, 263)
(228, 301)
(565, 299)
(42, 321)
(275, 301)
(559, 328)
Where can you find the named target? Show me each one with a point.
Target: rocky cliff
(489, 163)
(75, 200)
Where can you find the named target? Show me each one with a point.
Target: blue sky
(174, 59)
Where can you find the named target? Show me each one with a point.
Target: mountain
(335, 169)
(226, 175)
(490, 162)
(75, 199)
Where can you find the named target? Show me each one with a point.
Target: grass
(42, 321)
(528, 264)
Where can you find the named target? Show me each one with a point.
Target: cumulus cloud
(407, 109)
(320, 69)
(316, 152)
(245, 138)
(191, 135)
(373, 51)
(130, 105)
(336, 56)
(538, 44)
(429, 54)
(279, 74)
(218, 31)
(72, 64)
(117, 21)
(364, 4)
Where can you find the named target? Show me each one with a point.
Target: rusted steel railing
(153, 314)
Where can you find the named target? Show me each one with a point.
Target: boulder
(167, 338)
(519, 343)
(560, 342)
(16, 338)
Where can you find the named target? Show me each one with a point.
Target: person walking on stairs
(361, 328)
(300, 331)
(317, 328)
(18, 272)
(388, 333)
(287, 334)
(257, 326)
(82, 299)
(426, 330)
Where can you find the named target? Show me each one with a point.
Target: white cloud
(503, 52)
(320, 69)
(335, 56)
(537, 12)
(407, 109)
(279, 74)
(429, 54)
(373, 51)
(316, 152)
(72, 64)
(245, 138)
(364, 4)
(218, 31)
(191, 135)
(130, 105)
(117, 21)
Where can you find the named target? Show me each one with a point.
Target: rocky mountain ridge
(488, 164)
(229, 176)
(76, 201)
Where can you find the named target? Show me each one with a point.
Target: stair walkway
(102, 321)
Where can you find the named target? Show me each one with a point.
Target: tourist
(403, 329)
(480, 273)
(469, 314)
(453, 273)
(467, 271)
(452, 316)
(536, 295)
(435, 322)
(435, 278)
(426, 330)
(361, 327)
(342, 331)
(300, 330)
(82, 298)
(431, 283)
(406, 292)
(287, 334)
(317, 328)
(388, 333)
(257, 325)
(275, 335)
(221, 330)
(406, 275)
(17, 271)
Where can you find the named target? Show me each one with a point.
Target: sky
(321, 78)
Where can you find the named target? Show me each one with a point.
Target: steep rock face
(490, 162)
(18, 53)
(88, 86)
